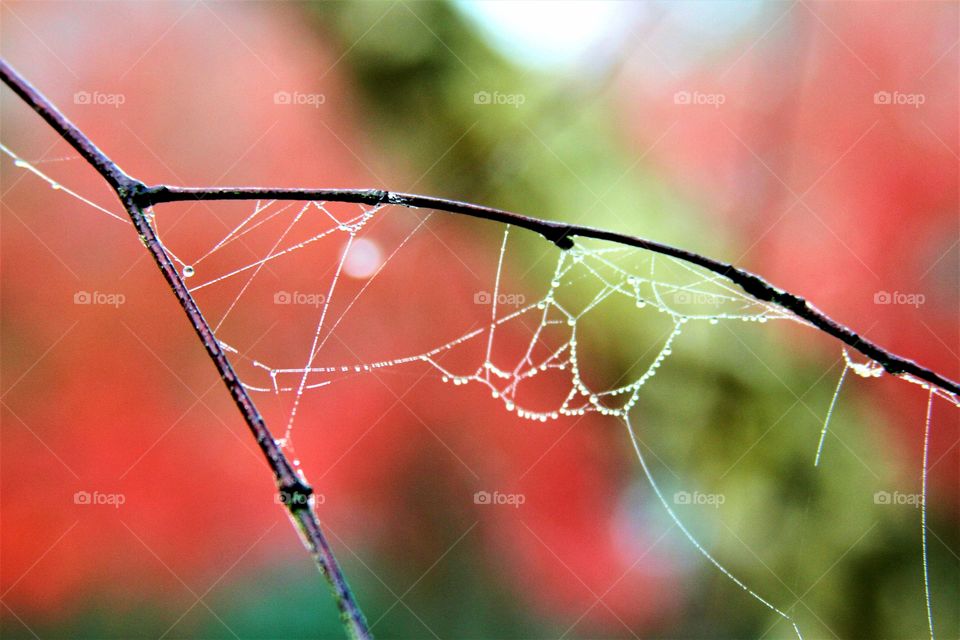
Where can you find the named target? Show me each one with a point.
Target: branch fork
(294, 491)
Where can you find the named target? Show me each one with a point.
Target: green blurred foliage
(788, 529)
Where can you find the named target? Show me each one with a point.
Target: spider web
(225, 270)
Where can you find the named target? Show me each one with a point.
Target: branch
(562, 235)
(136, 196)
(294, 491)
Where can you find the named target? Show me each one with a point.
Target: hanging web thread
(864, 370)
(20, 163)
(706, 554)
(923, 514)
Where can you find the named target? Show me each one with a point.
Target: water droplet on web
(188, 271)
(20, 163)
(55, 186)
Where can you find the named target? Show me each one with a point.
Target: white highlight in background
(363, 260)
(545, 33)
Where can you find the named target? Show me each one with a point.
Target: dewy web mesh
(300, 294)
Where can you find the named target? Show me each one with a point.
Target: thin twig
(293, 489)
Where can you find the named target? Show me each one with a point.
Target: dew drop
(188, 271)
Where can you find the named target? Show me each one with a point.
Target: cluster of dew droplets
(582, 399)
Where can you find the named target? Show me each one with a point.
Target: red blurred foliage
(123, 400)
(832, 194)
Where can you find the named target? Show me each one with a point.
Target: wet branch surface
(294, 490)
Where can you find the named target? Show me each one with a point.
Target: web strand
(690, 537)
(923, 514)
(29, 166)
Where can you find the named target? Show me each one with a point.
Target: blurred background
(814, 143)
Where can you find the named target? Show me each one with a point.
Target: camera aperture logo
(299, 298)
(99, 98)
(514, 100)
(697, 498)
(97, 498)
(496, 498)
(296, 98)
(99, 298)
